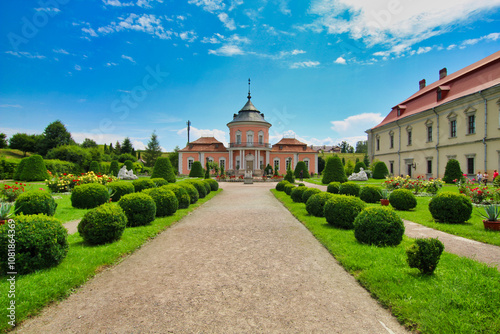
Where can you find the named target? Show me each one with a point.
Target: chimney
(443, 73)
(421, 84)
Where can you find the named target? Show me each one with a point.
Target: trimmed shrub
(359, 165)
(41, 242)
(159, 181)
(333, 187)
(139, 208)
(58, 166)
(207, 185)
(94, 167)
(288, 188)
(334, 171)
(200, 187)
(315, 205)
(141, 184)
(214, 185)
(191, 190)
(379, 226)
(163, 168)
(181, 194)
(301, 185)
(496, 181)
(196, 170)
(34, 169)
(280, 186)
(19, 169)
(402, 199)
(165, 200)
(120, 188)
(424, 254)
(308, 193)
(36, 202)
(370, 194)
(126, 156)
(88, 196)
(297, 194)
(301, 166)
(349, 188)
(289, 176)
(452, 171)
(129, 164)
(114, 169)
(380, 171)
(341, 210)
(448, 207)
(103, 224)
(73, 153)
(7, 168)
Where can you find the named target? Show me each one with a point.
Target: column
(230, 162)
(180, 163)
(242, 152)
(267, 160)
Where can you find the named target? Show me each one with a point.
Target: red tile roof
(205, 144)
(291, 145)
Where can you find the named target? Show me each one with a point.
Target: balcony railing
(252, 144)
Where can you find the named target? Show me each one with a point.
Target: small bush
(41, 242)
(370, 194)
(36, 202)
(289, 176)
(308, 193)
(126, 156)
(196, 170)
(301, 166)
(334, 171)
(181, 194)
(94, 167)
(424, 255)
(214, 185)
(288, 188)
(139, 208)
(350, 189)
(120, 188)
(280, 186)
(165, 200)
(129, 164)
(103, 224)
(380, 171)
(141, 184)
(297, 193)
(200, 187)
(341, 210)
(207, 185)
(113, 169)
(159, 181)
(448, 207)
(191, 190)
(333, 187)
(359, 165)
(163, 168)
(402, 199)
(88, 196)
(315, 205)
(379, 226)
(496, 181)
(452, 171)
(19, 169)
(34, 169)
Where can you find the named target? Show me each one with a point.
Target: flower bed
(417, 185)
(478, 194)
(66, 182)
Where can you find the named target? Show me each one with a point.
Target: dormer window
(442, 92)
(401, 109)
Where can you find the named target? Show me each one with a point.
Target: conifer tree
(153, 150)
(334, 171)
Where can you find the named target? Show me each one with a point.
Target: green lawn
(463, 296)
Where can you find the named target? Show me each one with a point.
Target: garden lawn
(318, 180)
(463, 296)
(35, 291)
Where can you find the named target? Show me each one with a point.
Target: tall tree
(88, 143)
(153, 150)
(174, 158)
(118, 148)
(362, 146)
(345, 147)
(23, 142)
(127, 146)
(3, 140)
(106, 149)
(111, 149)
(55, 134)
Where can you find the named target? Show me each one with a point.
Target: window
(453, 128)
(237, 162)
(472, 124)
(238, 138)
(250, 138)
(190, 163)
(470, 166)
(288, 162)
(409, 138)
(391, 139)
(222, 163)
(429, 166)
(306, 161)
(378, 144)
(276, 163)
(429, 133)
(261, 137)
(261, 163)
(391, 167)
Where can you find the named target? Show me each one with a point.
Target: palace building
(249, 148)
(456, 117)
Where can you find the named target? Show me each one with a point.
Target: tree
(127, 146)
(55, 134)
(207, 170)
(163, 169)
(3, 140)
(118, 148)
(301, 166)
(321, 164)
(23, 142)
(88, 143)
(153, 150)
(362, 146)
(174, 159)
(111, 150)
(196, 170)
(334, 171)
(289, 174)
(380, 171)
(345, 147)
(366, 160)
(452, 171)
(106, 149)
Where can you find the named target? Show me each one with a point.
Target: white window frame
(190, 162)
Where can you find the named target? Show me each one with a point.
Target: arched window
(190, 163)
(222, 163)
(238, 137)
(306, 161)
(261, 137)
(238, 166)
(250, 138)
(276, 163)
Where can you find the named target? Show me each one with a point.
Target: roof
(469, 80)
(326, 148)
(205, 144)
(249, 114)
(291, 145)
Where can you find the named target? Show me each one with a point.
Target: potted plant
(491, 214)
(5, 212)
(384, 197)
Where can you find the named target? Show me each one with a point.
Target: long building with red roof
(456, 117)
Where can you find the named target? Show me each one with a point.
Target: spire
(249, 96)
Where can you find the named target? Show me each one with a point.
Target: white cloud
(296, 52)
(305, 64)
(48, 10)
(490, 37)
(62, 51)
(228, 22)
(90, 31)
(196, 133)
(147, 23)
(111, 64)
(25, 54)
(140, 3)
(234, 4)
(356, 124)
(340, 60)
(424, 49)
(209, 5)
(10, 106)
(227, 50)
(215, 39)
(128, 58)
(189, 36)
(78, 67)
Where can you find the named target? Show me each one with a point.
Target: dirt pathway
(241, 263)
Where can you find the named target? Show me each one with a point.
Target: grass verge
(463, 296)
(37, 290)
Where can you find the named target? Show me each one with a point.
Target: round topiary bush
(163, 169)
(88, 196)
(139, 208)
(448, 207)
(315, 205)
(214, 185)
(334, 171)
(196, 170)
(379, 226)
(359, 165)
(452, 171)
(207, 185)
(181, 194)
(34, 169)
(288, 188)
(200, 187)
(165, 200)
(129, 164)
(402, 199)
(280, 186)
(120, 188)
(41, 242)
(141, 184)
(350, 189)
(308, 193)
(19, 169)
(424, 255)
(380, 171)
(370, 194)
(159, 181)
(103, 224)
(297, 194)
(301, 166)
(191, 190)
(35, 202)
(113, 168)
(94, 167)
(341, 210)
(333, 187)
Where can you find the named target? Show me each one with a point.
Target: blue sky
(324, 71)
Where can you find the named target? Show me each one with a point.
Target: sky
(322, 71)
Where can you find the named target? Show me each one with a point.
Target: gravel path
(241, 263)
